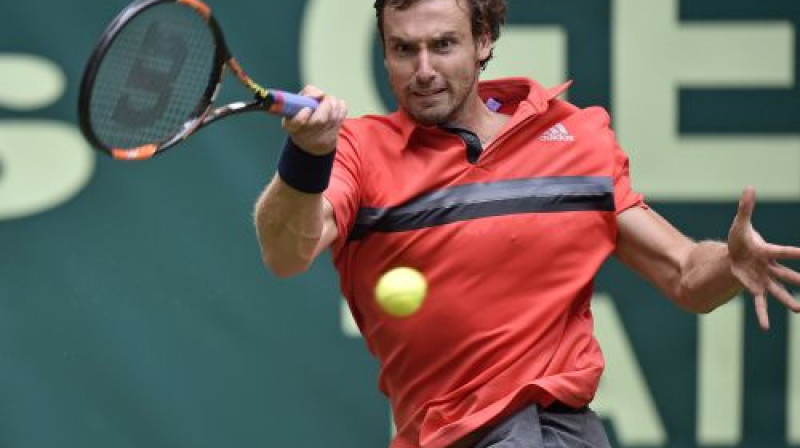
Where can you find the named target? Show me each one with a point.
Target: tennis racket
(152, 80)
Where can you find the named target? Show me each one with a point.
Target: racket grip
(289, 104)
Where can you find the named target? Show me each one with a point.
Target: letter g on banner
(347, 71)
(43, 163)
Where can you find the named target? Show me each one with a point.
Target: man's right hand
(317, 131)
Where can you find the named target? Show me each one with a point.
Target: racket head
(151, 78)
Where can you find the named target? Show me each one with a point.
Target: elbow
(283, 268)
(284, 256)
(283, 271)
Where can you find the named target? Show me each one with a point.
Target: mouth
(427, 93)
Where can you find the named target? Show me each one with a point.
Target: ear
(484, 46)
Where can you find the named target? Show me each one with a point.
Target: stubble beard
(446, 111)
(438, 114)
(431, 117)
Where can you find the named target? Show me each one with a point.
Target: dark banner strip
(465, 202)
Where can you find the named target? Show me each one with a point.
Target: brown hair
(487, 17)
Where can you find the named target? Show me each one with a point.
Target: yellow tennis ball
(400, 291)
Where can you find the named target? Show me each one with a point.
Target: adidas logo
(557, 133)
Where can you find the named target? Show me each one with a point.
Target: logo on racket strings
(150, 81)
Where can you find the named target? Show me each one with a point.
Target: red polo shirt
(509, 244)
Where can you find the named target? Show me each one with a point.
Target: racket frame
(204, 113)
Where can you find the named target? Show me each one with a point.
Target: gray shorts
(554, 427)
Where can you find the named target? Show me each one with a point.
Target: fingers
(326, 118)
(317, 130)
(752, 286)
(300, 119)
(784, 274)
(765, 253)
(780, 293)
(761, 311)
(312, 91)
(747, 203)
(769, 283)
(330, 109)
(782, 252)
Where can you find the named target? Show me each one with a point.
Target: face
(433, 60)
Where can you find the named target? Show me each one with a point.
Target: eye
(402, 48)
(442, 44)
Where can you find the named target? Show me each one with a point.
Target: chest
(535, 148)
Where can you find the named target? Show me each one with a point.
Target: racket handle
(289, 104)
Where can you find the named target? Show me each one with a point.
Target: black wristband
(305, 172)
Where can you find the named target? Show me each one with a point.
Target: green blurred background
(134, 311)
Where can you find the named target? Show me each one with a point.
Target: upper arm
(342, 198)
(651, 246)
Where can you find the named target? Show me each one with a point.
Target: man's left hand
(755, 262)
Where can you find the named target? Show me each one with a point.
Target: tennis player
(508, 200)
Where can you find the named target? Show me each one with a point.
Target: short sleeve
(343, 192)
(624, 195)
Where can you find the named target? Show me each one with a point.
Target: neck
(479, 119)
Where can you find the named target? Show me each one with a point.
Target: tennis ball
(400, 291)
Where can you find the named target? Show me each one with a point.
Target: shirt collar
(521, 97)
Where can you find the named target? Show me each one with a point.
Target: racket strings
(153, 77)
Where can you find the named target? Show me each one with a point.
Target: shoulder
(594, 120)
(587, 131)
(373, 126)
(558, 106)
(373, 135)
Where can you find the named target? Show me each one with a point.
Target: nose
(425, 71)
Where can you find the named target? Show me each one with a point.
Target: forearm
(289, 227)
(706, 278)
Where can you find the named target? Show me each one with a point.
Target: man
(508, 200)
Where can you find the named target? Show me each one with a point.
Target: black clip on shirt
(474, 147)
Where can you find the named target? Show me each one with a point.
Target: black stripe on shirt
(481, 200)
